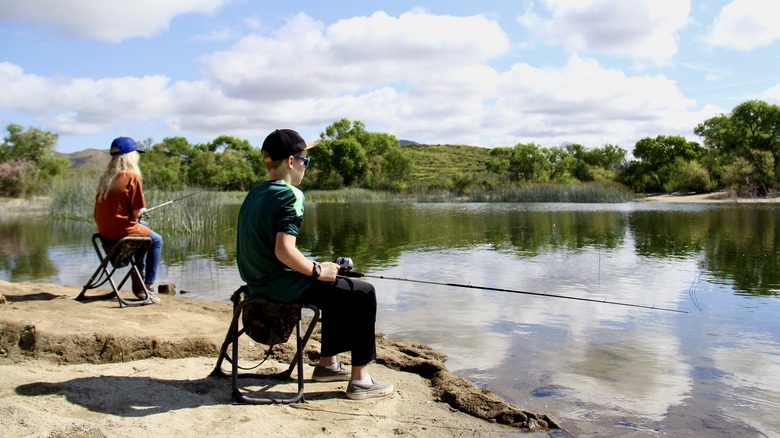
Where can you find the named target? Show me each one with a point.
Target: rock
(27, 338)
(167, 289)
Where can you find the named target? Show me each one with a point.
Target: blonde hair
(118, 163)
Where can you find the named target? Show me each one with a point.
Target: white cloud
(306, 58)
(772, 95)
(104, 20)
(433, 86)
(637, 29)
(80, 106)
(746, 25)
(586, 103)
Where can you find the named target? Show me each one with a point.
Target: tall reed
(198, 214)
(74, 198)
(574, 193)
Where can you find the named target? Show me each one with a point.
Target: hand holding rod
(497, 289)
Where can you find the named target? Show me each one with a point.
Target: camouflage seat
(267, 322)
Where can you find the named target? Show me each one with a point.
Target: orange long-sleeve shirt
(114, 216)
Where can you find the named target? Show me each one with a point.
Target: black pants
(348, 308)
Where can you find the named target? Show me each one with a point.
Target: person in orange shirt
(119, 206)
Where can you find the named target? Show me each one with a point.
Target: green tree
(247, 173)
(235, 172)
(654, 160)
(396, 168)
(29, 163)
(560, 165)
(166, 164)
(203, 167)
(751, 132)
(521, 163)
(340, 156)
(33, 145)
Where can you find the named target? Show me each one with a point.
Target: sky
(487, 73)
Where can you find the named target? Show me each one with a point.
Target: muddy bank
(43, 323)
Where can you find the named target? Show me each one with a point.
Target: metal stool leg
(231, 341)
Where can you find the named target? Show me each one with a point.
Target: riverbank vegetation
(740, 152)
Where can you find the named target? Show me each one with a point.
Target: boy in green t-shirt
(272, 266)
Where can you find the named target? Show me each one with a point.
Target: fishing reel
(345, 265)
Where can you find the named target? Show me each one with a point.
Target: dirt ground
(73, 369)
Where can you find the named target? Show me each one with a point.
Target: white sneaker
(357, 391)
(154, 297)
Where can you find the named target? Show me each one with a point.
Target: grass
(200, 213)
(74, 198)
(575, 193)
(436, 166)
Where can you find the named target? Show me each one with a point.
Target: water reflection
(598, 368)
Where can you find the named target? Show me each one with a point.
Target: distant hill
(88, 159)
(97, 159)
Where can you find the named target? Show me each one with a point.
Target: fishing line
(692, 292)
(498, 289)
(185, 196)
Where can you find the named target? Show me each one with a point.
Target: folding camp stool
(233, 333)
(118, 254)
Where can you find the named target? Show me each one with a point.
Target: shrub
(18, 177)
(689, 176)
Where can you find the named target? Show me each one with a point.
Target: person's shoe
(357, 391)
(154, 297)
(324, 374)
(139, 289)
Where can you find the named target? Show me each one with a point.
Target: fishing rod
(174, 200)
(346, 271)
(183, 197)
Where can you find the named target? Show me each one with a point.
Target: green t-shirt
(269, 208)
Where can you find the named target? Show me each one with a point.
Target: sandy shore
(709, 198)
(72, 369)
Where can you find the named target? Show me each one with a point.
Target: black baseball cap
(283, 143)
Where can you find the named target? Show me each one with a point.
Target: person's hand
(329, 271)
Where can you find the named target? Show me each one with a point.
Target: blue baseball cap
(124, 145)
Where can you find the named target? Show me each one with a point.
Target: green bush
(689, 176)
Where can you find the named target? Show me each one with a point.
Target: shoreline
(101, 370)
(709, 198)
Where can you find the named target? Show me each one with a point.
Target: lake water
(599, 369)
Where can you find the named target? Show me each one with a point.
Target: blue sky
(488, 73)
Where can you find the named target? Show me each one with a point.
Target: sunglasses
(306, 161)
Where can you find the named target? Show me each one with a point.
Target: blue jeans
(152, 257)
